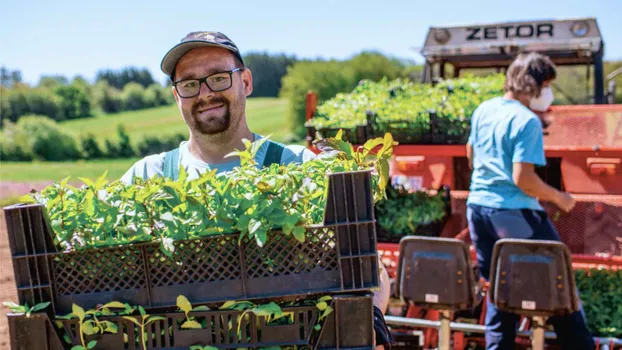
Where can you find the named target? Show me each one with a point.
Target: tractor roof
(568, 41)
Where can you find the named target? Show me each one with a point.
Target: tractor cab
(572, 42)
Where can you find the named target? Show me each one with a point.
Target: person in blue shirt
(504, 147)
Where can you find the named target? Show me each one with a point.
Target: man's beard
(211, 125)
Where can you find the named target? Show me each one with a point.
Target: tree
(73, 101)
(119, 79)
(107, 98)
(90, 147)
(326, 78)
(41, 138)
(133, 96)
(267, 70)
(52, 81)
(9, 78)
(155, 95)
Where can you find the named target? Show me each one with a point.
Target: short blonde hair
(527, 73)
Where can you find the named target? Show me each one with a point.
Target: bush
(602, 300)
(107, 98)
(15, 143)
(327, 78)
(23, 100)
(73, 101)
(155, 96)
(112, 151)
(125, 146)
(133, 96)
(42, 101)
(153, 145)
(38, 137)
(122, 149)
(90, 147)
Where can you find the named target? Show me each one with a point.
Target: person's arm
(527, 152)
(381, 301)
(526, 178)
(381, 297)
(469, 154)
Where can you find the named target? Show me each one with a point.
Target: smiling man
(210, 85)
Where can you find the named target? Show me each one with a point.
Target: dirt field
(7, 282)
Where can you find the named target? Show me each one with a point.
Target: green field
(266, 116)
(40, 171)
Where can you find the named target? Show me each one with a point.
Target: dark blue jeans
(486, 226)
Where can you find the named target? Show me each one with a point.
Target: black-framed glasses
(216, 82)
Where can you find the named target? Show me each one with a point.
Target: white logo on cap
(207, 36)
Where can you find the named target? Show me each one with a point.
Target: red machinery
(583, 146)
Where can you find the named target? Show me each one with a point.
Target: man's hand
(565, 202)
(382, 296)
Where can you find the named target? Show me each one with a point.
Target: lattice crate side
(210, 263)
(30, 244)
(219, 328)
(95, 276)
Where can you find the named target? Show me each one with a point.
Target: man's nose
(204, 90)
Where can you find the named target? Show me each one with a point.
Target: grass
(43, 171)
(264, 115)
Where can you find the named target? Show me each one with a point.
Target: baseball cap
(194, 40)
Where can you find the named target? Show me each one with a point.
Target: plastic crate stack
(338, 258)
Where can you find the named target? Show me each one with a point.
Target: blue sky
(81, 37)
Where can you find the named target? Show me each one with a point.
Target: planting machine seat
(436, 272)
(535, 279)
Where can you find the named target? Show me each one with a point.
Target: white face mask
(543, 102)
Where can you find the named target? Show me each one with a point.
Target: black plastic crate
(338, 256)
(433, 131)
(358, 135)
(349, 326)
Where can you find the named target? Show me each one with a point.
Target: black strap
(383, 334)
(273, 154)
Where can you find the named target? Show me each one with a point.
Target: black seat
(533, 278)
(435, 272)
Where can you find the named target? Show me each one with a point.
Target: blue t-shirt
(503, 132)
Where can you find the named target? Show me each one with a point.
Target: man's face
(211, 113)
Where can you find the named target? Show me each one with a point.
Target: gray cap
(194, 40)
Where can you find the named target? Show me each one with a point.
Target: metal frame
(479, 329)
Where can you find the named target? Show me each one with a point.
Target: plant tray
(338, 256)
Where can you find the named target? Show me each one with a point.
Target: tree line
(274, 75)
(60, 98)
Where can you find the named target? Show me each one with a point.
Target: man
(210, 85)
(504, 146)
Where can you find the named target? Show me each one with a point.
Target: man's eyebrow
(209, 72)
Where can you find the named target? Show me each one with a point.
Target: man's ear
(175, 94)
(247, 79)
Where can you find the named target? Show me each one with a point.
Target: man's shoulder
(146, 167)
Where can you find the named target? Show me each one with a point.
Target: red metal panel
(584, 125)
(592, 175)
(431, 171)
